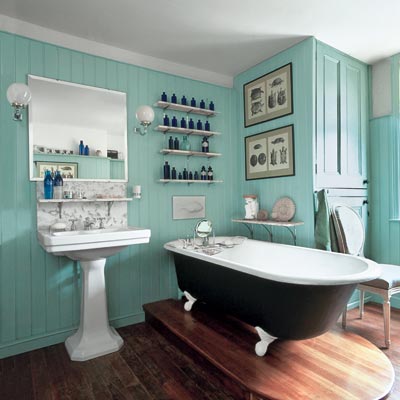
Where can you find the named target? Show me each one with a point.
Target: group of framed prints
(269, 154)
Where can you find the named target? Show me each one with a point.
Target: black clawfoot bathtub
(290, 292)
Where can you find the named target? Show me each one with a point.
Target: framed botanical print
(270, 154)
(268, 97)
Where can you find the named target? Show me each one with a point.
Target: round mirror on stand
(203, 230)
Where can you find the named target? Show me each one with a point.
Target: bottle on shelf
(164, 97)
(210, 174)
(202, 104)
(203, 173)
(183, 101)
(166, 120)
(193, 102)
(174, 122)
(207, 126)
(204, 145)
(185, 174)
(199, 125)
(167, 171)
(174, 99)
(211, 106)
(48, 185)
(173, 173)
(86, 150)
(196, 176)
(58, 186)
(190, 175)
(171, 143)
(81, 148)
(191, 124)
(176, 144)
(185, 144)
(183, 123)
(180, 175)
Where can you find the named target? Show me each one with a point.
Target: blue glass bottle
(86, 150)
(193, 102)
(211, 106)
(210, 174)
(164, 97)
(81, 148)
(196, 176)
(183, 123)
(58, 186)
(48, 185)
(203, 173)
(199, 125)
(204, 145)
(185, 174)
(191, 124)
(166, 120)
(173, 98)
(207, 126)
(167, 171)
(170, 143)
(202, 104)
(184, 101)
(190, 175)
(174, 122)
(176, 144)
(173, 173)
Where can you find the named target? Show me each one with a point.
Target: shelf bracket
(109, 205)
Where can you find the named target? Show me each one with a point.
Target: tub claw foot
(266, 339)
(190, 301)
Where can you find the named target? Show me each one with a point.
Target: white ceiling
(220, 36)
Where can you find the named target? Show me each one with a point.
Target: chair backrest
(349, 229)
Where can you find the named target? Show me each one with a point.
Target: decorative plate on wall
(283, 210)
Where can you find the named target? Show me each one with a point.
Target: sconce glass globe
(18, 94)
(145, 115)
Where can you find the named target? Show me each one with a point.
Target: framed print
(67, 170)
(270, 154)
(268, 97)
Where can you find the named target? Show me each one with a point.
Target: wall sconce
(145, 115)
(18, 95)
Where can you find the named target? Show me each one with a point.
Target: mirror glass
(203, 228)
(61, 115)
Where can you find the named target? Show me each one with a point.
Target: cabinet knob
(365, 202)
(365, 182)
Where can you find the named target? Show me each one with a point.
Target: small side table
(267, 225)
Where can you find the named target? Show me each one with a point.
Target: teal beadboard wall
(40, 293)
(300, 186)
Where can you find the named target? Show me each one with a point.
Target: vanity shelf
(60, 202)
(267, 225)
(186, 109)
(189, 153)
(188, 181)
(185, 131)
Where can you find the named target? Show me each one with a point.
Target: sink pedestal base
(95, 337)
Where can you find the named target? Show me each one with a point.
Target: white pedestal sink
(95, 337)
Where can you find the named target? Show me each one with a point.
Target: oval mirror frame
(203, 228)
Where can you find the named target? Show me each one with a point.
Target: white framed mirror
(61, 115)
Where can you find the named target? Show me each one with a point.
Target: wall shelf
(188, 181)
(189, 153)
(60, 202)
(184, 131)
(289, 225)
(186, 109)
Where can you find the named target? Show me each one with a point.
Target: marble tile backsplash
(47, 213)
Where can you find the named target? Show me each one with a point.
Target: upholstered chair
(350, 237)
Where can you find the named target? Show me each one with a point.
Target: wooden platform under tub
(336, 365)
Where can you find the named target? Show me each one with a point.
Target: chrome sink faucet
(88, 224)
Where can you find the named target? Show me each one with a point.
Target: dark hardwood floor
(149, 367)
